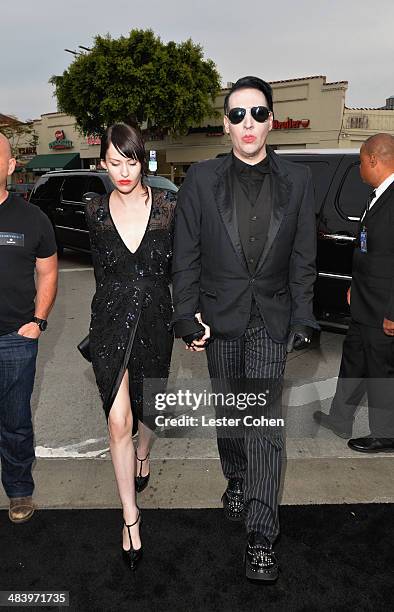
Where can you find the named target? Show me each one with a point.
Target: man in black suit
(368, 351)
(243, 275)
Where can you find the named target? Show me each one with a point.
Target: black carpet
(332, 558)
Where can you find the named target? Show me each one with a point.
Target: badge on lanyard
(363, 240)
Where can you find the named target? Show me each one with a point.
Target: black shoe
(325, 420)
(132, 557)
(141, 482)
(233, 500)
(260, 560)
(372, 445)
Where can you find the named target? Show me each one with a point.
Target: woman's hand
(198, 345)
(388, 327)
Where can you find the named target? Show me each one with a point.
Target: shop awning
(56, 161)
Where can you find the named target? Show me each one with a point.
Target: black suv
(340, 202)
(62, 196)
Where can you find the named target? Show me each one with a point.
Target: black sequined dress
(132, 307)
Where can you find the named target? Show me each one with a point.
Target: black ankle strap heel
(132, 556)
(141, 482)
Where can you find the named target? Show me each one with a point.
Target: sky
(345, 40)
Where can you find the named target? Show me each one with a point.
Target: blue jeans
(17, 370)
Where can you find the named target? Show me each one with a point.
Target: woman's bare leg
(120, 424)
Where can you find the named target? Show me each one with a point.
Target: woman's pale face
(124, 172)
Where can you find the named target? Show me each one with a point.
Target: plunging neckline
(146, 228)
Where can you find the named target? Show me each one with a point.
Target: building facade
(309, 113)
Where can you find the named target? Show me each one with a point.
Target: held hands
(198, 343)
(30, 330)
(388, 327)
(300, 337)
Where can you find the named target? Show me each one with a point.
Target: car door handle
(59, 209)
(338, 237)
(79, 212)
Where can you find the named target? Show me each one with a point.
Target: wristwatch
(42, 323)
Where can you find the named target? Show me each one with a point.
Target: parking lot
(73, 466)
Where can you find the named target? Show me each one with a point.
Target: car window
(96, 185)
(322, 173)
(74, 188)
(47, 188)
(321, 178)
(353, 193)
(160, 182)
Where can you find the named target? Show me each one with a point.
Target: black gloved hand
(197, 335)
(300, 337)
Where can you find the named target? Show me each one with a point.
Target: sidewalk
(187, 474)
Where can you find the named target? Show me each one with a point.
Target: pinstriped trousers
(252, 363)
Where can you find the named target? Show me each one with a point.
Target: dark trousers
(254, 454)
(367, 366)
(17, 370)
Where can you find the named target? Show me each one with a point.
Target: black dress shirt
(251, 191)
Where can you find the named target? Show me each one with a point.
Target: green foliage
(19, 134)
(138, 79)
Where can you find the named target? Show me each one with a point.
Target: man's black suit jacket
(210, 274)
(372, 296)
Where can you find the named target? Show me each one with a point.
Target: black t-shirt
(25, 234)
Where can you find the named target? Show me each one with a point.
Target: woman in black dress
(130, 334)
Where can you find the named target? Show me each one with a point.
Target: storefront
(309, 113)
(45, 163)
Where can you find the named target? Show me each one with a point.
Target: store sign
(60, 141)
(291, 124)
(152, 161)
(93, 140)
(22, 151)
(208, 130)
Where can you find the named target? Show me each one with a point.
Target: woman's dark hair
(128, 141)
(250, 82)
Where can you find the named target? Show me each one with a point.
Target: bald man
(27, 246)
(368, 351)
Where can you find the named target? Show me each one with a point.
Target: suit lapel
(280, 196)
(380, 202)
(223, 194)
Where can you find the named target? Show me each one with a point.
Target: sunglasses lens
(260, 113)
(236, 115)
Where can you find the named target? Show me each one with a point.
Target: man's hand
(30, 330)
(198, 345)
(349, 292)
(300, 337)
(388, 327)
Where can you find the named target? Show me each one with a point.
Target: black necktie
(371, 196)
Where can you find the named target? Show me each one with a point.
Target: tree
(138, 79)
(19, 133)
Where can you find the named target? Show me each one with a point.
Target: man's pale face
(7, 163)
(249, 136)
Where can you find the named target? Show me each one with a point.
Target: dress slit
(119, 376)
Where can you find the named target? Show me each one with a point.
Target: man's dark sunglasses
(259, 113)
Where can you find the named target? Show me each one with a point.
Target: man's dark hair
(250, 82)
